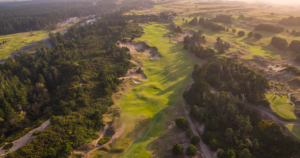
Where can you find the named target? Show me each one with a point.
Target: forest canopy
(75, 79)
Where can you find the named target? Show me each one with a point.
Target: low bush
(191, 150)
(188, 133)
(182, 123)
(257, 36)
(241, 33)
(250, 35)
(177, 149)
(295, 46)
(104, 140)
(279, 43)
(35, 133)
(195, 139)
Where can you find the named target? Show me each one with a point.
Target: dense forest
(269, 28)
(76, 79)
(231, 76)
(230, 127)
(47, 15)
(291, 21)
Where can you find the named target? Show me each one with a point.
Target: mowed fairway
(295, 129)
(166, 78)
(281, 107)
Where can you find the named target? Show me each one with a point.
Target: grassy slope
(166, 79)
(279, 105)
(19, 40)
(295, 129)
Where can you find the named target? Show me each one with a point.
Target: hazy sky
(274, 1)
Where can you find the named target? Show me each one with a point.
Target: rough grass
(295, 129)
(281, 107)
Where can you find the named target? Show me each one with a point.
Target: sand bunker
(142, 47)
(137, 82)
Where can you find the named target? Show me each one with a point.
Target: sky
(289, 2)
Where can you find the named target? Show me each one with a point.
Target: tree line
(290, 21)
(47, 15)
(269, 28)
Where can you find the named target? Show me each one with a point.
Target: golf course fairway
(166, 79)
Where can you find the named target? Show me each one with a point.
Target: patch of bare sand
(137, 82)
(134, 47)
(269, 68)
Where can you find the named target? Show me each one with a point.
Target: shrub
(241, 33)
(182, 123)
(213, 144)
(279, 43)
(230, 154)
(250, 35)
(194, 21)
(104, 140)
(233, 30)
(35, 133)
(188, 133)
(8, 146)
(213, 26)
(269, 28)
(257, 36)
(221, 153)
(139, 71)
(191, 150)
(195, 139)
(177, 149)
(245, 153)
(295, 46)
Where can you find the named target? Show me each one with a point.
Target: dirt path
(205, 150)
(47, 43)
(289, 101)
(26, 138)
(101, 134)
(116, 135)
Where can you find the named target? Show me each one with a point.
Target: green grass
(281, 107)
(19, 40)
(166, 78)
(295, 129)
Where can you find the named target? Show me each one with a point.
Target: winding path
(116, 135)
